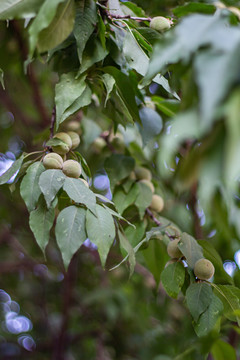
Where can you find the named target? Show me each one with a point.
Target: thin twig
(158, 223)
(136, 18)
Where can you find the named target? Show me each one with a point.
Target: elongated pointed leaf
(125, 90)
(230, 297)
(11, 9)
(190, 249)
(50, 182)
(5, 177)
(41, 221)
(209, 318)
(70, 231)
(129, 249)
(42, 21)
(80, 193)
(172, 278)
(199, 297)
(86, 18)
(67, 91)
(101, 231)
(29, 189)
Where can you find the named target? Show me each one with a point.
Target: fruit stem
(157, 222)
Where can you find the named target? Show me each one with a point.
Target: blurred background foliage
(89, 313)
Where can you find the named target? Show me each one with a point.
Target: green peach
(72, 168)
(75, 139)
(173, 250)
(52, 161)
(160, 24)
(157, 203)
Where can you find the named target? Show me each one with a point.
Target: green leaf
(212, 88)
(84, 164)
(57, 30)
(101, 231)
(10, 9)
(125, 90)
(29, 189)
(80, 193)
(143, 199)
(128, 247)
(122, 200)
(5, 177)
(172, 278)
(41, 221)
(114, 8)
(118, 167)
(50, 182)
(70, 231)
(229, 295)
(209, 318)
(42, 21)
(155, 258)
(199, 297)
(194, 7)
(135, 233)
(86, 19)
(209, 252)
(109, 83)
(112, 212)
(222, 351)
(190, 249)
(83, 100)
(93, 53)
(151, 124)
(67, 91)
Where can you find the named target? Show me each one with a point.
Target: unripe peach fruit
(72, 168)
(173, 250)
(63, 148)
(75, 139)
(204, 269)
(160, 24)
(72, 125)
(143, 173)
(157, 203)
(52, 161)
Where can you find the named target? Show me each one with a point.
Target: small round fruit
(72, 125)
(160, 24)
(148, 183)
(53, 161)
(75, 139)
(204, 269)
(173, 250)
(157, 203)
(72, 168)
(62, 148)
(85, 182)
(143, 173)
